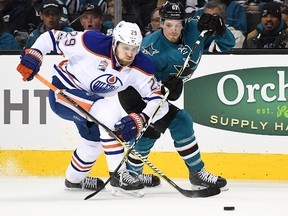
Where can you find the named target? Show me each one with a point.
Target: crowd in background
(257, 23)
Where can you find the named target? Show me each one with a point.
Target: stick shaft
(198, 41)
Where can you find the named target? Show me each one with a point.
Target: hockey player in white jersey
(97, 66)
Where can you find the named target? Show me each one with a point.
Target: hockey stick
(131, 146)
(76, 105)
(198, 41)
(207, 192)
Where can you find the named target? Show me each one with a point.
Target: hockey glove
(31, 61)
(130, 126)
(175, 86)
(213, 23)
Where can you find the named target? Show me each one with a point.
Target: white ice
(43, 196)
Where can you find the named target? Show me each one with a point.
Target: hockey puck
(229, 208)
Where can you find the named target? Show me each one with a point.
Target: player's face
(90, 20)
(172, 29)
(270, 22)
(126, 53)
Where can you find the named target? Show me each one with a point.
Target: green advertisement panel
(252, 100)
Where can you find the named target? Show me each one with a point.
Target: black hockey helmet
(172, 11)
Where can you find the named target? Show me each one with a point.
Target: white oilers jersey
(91, 66)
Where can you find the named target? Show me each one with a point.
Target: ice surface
(43, 196)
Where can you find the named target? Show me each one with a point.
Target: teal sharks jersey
(168, 57)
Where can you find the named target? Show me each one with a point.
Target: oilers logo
(105, 83)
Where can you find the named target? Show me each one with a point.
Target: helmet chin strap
(117, 61)
(114, 47)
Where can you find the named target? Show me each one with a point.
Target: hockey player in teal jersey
(169, 48)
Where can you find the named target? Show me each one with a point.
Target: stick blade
(94, 193)
(207, 192)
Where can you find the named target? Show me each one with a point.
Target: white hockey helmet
(127, 33)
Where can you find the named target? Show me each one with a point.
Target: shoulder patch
(60, 36)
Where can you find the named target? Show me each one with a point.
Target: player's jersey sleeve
(153, 88)
(48, 41)
(223, 42)
(143, 80)
(63, 43)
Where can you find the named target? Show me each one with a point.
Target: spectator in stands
(32, 14)
(215, 7)
(284, 14)
(7, 40)
(110, 12)
(235, 15)
(92, 19)
(154, 25)
(12, 13)
(272, 32)
(50, 14)
(109, 23)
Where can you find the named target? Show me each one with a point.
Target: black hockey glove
(175, 86)
(213, 23)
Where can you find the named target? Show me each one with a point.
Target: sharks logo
(149, 50)
(191, 66)
(105, 83)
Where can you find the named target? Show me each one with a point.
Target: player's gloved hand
(130, 126)
(213, 23)
(30, 63)
(175, 86)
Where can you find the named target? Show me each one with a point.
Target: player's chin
(173, 39)
(126, 62)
